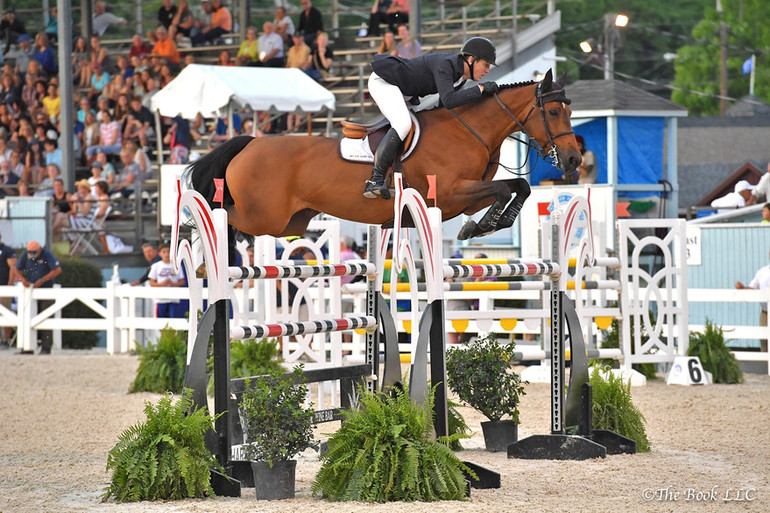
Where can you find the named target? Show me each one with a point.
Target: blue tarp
(640, 152)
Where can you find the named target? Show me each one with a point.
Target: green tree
(698, 65)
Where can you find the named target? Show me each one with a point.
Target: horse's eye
(554, 112)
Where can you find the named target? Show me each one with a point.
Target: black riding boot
(383, 159)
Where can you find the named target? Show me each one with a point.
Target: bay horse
(275, 186)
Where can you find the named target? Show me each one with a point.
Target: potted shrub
(481, 375)
(275, 428)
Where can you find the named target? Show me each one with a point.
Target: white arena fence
(126, 314)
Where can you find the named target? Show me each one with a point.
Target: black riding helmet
(480, 48)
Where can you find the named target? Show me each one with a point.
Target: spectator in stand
(60, 209)
(162, 275)
(128, 174)
(248, 53)
(178, 140)
(81, 60)
(39, 268)
(45, 55)
(52, 25)
(152, 256)
(139, 123)
(270, 45)
(52, 152)
(408, 48)
(99, 80)
(761, 281)
(166, 47)
(28, 93)
(96, 176)
(52, 102)
(98, 54)
(283, 26)
(9, 93)
(379, 14)
(398, 13)
(151, 88)
(221, 131)
(138, 156)
(17, 167)
(298, 56)
(221, 23)
(203, 20)
(388, 44)
(165, 76)
(166, 13)
(110, 138)
(45, 187)
(139, 48)
(23, 187)
(34, 160)
(121, 111)
(11, 28)
(5, 151)
(224, 59)
(321, 58)
(82, 200)
(102, 19)
(23, 54)
(124, 68)
(90, 135)
(310, 22)
(183, 22)
(9, 181)
(108, 170)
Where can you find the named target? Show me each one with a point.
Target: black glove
(490, 88)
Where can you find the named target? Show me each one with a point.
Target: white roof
(208, 90)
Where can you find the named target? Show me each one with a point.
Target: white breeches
(390, 100)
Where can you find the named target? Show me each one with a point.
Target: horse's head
(551, 129)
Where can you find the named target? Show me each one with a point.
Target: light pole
(610, 34)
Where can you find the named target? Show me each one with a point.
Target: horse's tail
(200, 174)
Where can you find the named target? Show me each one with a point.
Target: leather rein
(540, 100)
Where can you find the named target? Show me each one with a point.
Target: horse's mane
(516, 85)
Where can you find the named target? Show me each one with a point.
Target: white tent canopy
(211, 90)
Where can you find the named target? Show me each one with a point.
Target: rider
(395, 81)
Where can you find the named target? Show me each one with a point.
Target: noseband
(541, 99)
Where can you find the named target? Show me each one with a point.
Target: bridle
(541, 99)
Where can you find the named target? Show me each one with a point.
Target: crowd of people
(114, 128)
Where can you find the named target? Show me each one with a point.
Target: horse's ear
(547, 81)
(562, 80)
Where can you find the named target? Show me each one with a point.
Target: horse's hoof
(467, 231)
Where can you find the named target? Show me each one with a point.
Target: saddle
(359, 141)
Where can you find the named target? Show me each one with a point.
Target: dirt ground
(62, 413)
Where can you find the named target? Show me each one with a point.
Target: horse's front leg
(520, 187)
(491, 219)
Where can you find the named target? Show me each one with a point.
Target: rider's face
(480, 69)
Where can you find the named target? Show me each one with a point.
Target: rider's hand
(489, 88)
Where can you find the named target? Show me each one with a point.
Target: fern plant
(384, 452)
(162, 365)
(612, 340)
(456, 424)
(614, 410)
(714, 355)
(164, 457)
(250, 358)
